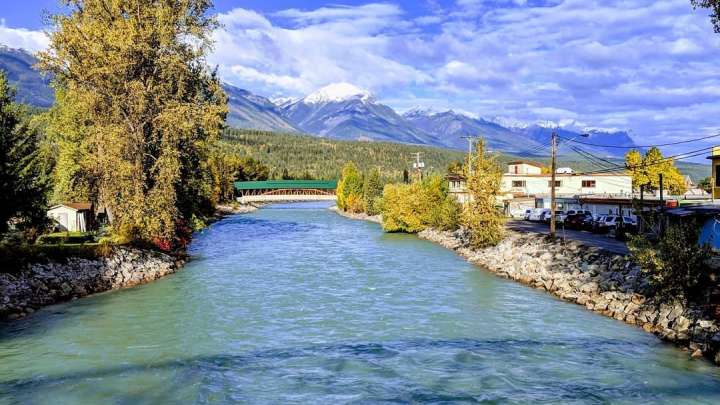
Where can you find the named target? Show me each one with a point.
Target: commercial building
(531, 181)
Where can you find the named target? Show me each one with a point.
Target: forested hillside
(304, 156)
(310, 156)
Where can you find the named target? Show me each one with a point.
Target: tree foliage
(422, 204)
(676, 265)
(227, 168)
(137, 112)
(481, 215)
(23, 172)
(372, 192)
(706, 184)
(646, 170)
(714, 6)
(350, 189)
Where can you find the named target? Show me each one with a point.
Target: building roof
(525, 162)
(77, 206)
(286, 184)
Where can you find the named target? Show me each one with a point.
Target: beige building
(526, 179)
(72, 217)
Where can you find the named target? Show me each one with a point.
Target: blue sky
(642, 65)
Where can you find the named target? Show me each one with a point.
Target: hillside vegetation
(309, 156)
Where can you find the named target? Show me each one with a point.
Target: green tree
(646, 170)
(350, 189)
(481, 215)
(677, 266)
(706, 184)
(23, 180)
(372, 192)
(138, 99)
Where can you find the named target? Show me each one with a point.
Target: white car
(538, 214)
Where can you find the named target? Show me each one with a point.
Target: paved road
(586, 238)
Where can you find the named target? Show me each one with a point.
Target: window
(558, 183)
(588, 183)
(518, 183)
(717, 176)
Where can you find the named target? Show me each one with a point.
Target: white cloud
(23, 38)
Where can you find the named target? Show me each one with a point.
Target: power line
(643, 146)
(680, 156)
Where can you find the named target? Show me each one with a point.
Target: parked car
(574, 212)
(605, 223)
(629, 225)
(559, 217)
(538, 213)
(579, 221)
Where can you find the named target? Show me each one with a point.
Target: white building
(530, 180)
(526, 180)
(72, 217)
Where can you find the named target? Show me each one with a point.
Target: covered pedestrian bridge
(285, 191)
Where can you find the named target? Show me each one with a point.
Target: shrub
(676, 266)
(61, 238)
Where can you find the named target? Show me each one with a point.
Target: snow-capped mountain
(247, 110)
(345, 111)
(338, 93)
(542, 134)
(448, 129)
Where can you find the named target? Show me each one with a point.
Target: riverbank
(42, 284)
(358, 216)
(607, 283)
(603, 282)
(224, 210)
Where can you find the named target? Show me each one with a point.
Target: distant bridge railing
(285, 190)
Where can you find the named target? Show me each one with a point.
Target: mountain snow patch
(339, 92)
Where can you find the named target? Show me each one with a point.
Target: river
(295, 304)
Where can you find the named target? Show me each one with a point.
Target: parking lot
(587, 238)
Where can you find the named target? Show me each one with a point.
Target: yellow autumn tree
(350, 189)
(481, 215)
(140, 104)
(646, 170)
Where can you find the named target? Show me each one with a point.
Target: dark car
(579, 221)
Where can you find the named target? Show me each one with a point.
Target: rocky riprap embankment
(603, 282)
(39, 285)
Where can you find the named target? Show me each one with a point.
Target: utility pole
(470, 140)
(662, 205)
(418, 164)
(553, 168)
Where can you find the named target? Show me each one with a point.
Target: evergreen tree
(372, 191)
(481, 215)
(23, 180)
(142, 108)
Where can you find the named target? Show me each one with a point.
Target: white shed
(72, 217)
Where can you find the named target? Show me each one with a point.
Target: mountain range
(344, 111)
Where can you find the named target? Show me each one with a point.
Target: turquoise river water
(295, 304)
